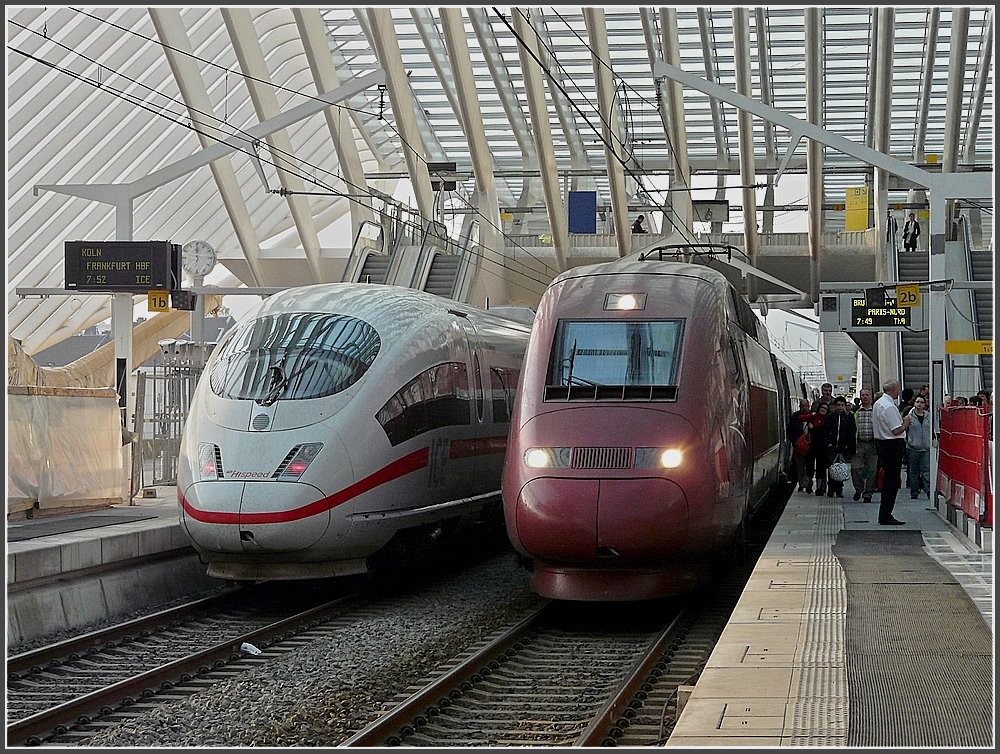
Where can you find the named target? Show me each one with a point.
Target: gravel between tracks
(321, 694)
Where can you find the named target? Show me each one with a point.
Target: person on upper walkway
(638, 226)
(911, 232)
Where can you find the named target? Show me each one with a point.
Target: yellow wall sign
(975, 347)
(908, 295)
(856, 202)
(158, 301)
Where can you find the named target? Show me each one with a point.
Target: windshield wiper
(278, 383)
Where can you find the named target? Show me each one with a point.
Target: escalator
(374, 268)
(442, 274)
(915, 346)
(981, 270)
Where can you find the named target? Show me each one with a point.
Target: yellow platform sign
(158, 301)
(975, 347)
(908, 295)
(856, 201)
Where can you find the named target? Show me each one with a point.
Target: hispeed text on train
(339, 418)
(649, 426)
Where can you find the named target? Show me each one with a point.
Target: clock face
(198, 257)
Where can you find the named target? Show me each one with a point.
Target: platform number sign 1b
(158, 301)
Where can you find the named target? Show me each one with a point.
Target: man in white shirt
(889, 428)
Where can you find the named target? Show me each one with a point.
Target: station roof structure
(112, 95)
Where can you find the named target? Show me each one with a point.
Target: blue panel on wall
(582, 211)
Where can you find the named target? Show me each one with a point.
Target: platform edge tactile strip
(809, 605)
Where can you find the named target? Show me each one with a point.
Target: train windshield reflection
(616, 353)
(294, 356)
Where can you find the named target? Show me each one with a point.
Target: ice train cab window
(294, 356)
(627, 360)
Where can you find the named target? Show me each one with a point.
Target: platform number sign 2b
(158, 301)
(908, 295)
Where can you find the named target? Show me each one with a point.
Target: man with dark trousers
(889, 428)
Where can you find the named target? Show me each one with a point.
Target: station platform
(854, 634)
(72, 570)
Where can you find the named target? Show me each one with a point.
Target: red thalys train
(649, 425)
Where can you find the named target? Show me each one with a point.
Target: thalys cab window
(294, 356)
(437, 397)
(603, 359)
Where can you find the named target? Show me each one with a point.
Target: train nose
(259, 517)
(623, 520)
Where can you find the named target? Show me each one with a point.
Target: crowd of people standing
(877, 438)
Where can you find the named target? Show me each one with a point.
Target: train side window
(479, 388)
(437, 397)
(502, 383)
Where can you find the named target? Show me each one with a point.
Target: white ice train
(340, 417)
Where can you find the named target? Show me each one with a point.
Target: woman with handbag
(818, 452)
(798, 436)
(841, 439)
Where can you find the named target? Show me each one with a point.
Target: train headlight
(671, 458)
(658, 458)
(304, 455)
(625, 301)
(547, 458)
(207, 462)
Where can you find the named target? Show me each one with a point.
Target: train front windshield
(294, 356)
(632, 353)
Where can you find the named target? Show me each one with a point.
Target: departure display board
(122, 266)
(878, 312)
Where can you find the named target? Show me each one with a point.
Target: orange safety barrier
(964, 475)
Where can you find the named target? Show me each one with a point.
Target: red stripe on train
(400, 467)
(409, 463)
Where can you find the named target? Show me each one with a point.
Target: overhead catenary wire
(180, 119)
(387, 123)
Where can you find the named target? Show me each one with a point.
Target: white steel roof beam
(926, 85)
(597, 32)
(872, 92)
(956, 87)
(883, 128)
(953, 106)
(491, 278)
(438, 55)
(180, 56)
(718, 124)
(723, 156)
(764, 66)
(579, 159)
(748, 176)
(431, 144)
(533, 85)
(490, 50)
(383, 38)
(676, 128)
(814, 149)
(982, 78)
(313, 34)
(246, 44)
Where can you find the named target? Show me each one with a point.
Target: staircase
(912, 267)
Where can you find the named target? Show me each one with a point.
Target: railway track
(570, 675)
(561, 677)
(66, 692)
